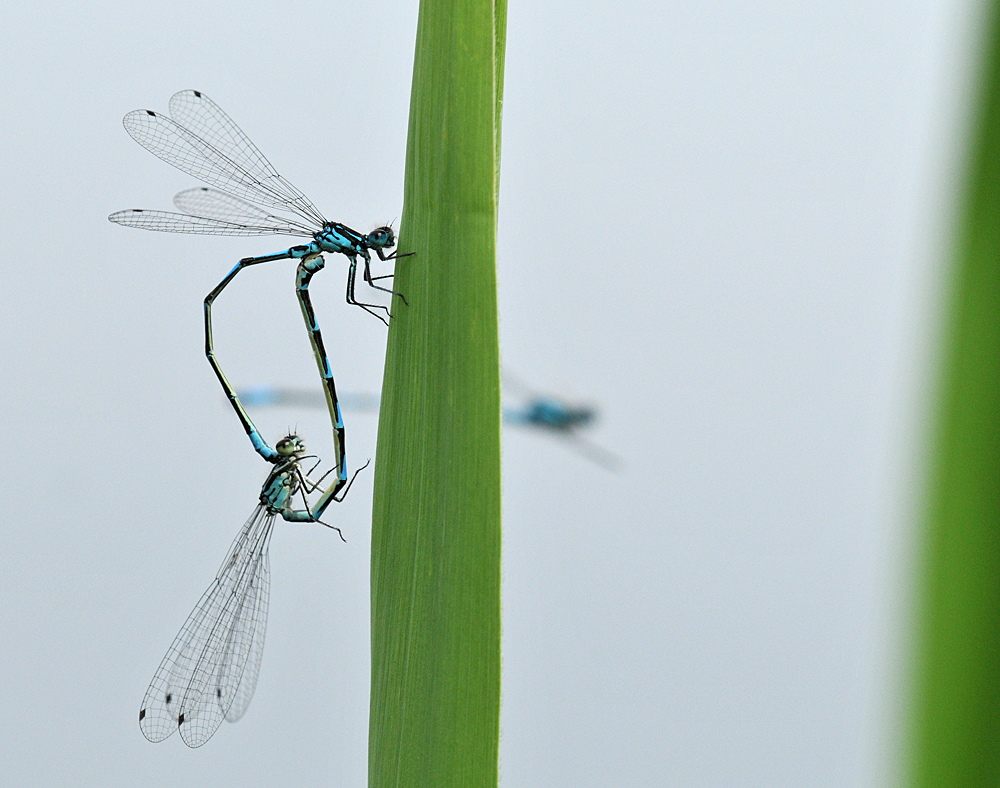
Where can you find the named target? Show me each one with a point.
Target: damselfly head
(290, 446)
(382, 238)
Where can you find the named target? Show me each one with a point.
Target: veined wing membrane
(185, 150)
(213, 204)
(252, 625)
(223, 656)
(182, 693)
(165, 221)
(200, 115)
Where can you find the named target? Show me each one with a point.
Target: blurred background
(723, 224)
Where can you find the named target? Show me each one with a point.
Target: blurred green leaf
(956, 723)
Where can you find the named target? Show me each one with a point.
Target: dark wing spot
(169, 697)
(142, 714)
(218, 692)
(180, 720)
(150, 112)
(197, 93)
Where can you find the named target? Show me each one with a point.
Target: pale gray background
(722, 222)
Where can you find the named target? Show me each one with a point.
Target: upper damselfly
(201, 140)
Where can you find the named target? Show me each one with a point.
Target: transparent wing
(199, 114)
(223, 656)
(201, 671)
(597, 454)
(213, 204)
(516, 386)
(254, 621)
(185, 150)
(167, 222)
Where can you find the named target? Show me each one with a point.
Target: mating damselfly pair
(210, 671)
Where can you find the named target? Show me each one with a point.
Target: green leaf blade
(436, 515)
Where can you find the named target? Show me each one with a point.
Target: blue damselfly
(201, 140)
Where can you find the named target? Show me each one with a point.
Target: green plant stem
(435, 591)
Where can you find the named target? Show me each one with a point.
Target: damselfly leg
(372, 279)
